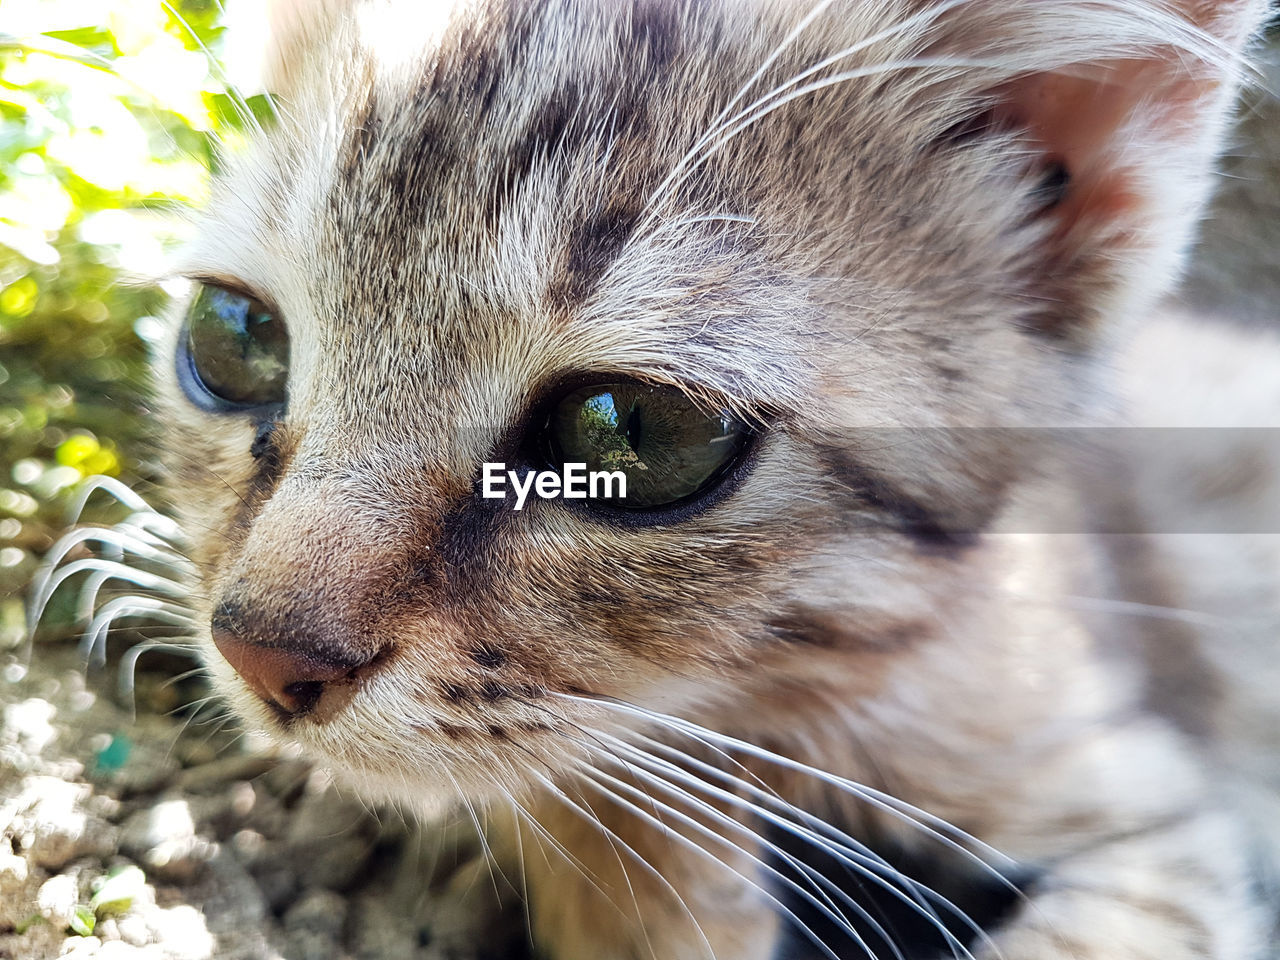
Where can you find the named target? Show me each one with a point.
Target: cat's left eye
(670, 449)
(234, 352)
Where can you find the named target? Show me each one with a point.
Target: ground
(158, 839)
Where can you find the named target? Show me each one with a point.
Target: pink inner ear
(1102, 121)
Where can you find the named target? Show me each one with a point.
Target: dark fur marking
(413, 179)
(930, 529)
(454, 693)
(796, 631)
(492, 692)
(544, 135)
(452, 731)
(468, 537)
(270, 460)
(263, 445)
(363, 136)
(597, 595)
(593, 246)
(949, 373)
(821, 630)
(487, 655)
(978, 126)
(656, 24)
(423, 571)
(1053, 186)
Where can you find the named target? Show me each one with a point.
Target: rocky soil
(163, 837)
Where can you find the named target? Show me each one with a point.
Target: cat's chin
(423, 782)
(424, 793)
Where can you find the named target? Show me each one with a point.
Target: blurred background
(110, 116)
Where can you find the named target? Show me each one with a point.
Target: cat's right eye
(233, 354)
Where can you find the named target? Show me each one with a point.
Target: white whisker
(854, 854)
(95, 634)
(718, 124)
(129, 661)
(585, 810)
(610, 788)
(112, 570)
(817, 882)
(942, 830)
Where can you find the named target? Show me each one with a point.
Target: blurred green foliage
(108, 109)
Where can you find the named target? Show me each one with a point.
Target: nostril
(300, 698)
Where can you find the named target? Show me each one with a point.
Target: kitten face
(550, 195)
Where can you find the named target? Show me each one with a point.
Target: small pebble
(81, 948)
(133, 930)
(57, 898)
(183, 932)
(28, 723)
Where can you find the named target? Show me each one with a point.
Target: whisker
(594, 819)
(114, 571)
(839, 845)
(817, 881)
(489, 859)
(520, 861)
(129, 661)
(945, 832)
(761, 111)
(46, 580)
(238, 102)
(718, 124)
(94, 639)
(610, 790)
(125, 538)
(113, 488)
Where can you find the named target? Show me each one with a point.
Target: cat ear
(1128, 144)
(301, 31)
(293, 31)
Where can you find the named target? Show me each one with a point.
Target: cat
(822, 280)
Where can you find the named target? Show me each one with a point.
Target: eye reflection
(236, 349)
(669, 448)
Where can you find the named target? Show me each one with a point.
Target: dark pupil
(668, 447)
(239, 350)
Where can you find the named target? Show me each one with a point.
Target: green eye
(235, 354)
(668, 448)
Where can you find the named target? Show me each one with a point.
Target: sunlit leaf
(87, 37)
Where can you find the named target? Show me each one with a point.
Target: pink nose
(290, 680)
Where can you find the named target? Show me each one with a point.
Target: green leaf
(87, 37)
(22, 926)
(122, 886)
(237, 113)
(194, 22)
(82, 920)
